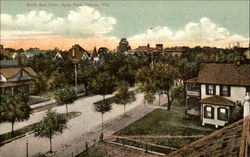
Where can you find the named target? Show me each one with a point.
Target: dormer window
(225, 90)
(210, 89)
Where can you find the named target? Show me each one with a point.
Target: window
(210, 89)
(225, 90)
(223, 114)
(209, 112)
(248, 89)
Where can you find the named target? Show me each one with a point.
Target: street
(88, 121)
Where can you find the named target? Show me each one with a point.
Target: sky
(49, 24)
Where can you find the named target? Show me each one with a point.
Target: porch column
(246, 106)
(12, 90)
(30, 89)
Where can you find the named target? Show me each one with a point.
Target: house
(216, 90)
(173, 51)
(230, 141)
(77, 53)
(247, 53)
(14, 78)
(147, 50)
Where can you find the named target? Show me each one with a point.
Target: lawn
(161, 123)
(35, 100)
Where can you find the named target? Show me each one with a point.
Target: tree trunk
(124, 108)
(159, 99)
(102, 120)
(67, 110)
(50, 143)
(12, 128)
(169, 101)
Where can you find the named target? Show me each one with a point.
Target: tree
(14, 108)
(104, 84)
(57, 80)
(123, 45)
(158, 79)
(39, 84)
(123, 95)
(86, 74)
(65, 96)
(52, 124)
(103, 107)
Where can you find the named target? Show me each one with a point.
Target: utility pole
(75, 77)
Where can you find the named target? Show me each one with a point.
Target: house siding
(237, 93)
(215, 121)
(18, 77)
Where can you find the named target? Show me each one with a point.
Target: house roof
(217, 100)
(192, 80)
(10, 72)
(76, 53)
(6, 52)
(228, 74)
(228, 141)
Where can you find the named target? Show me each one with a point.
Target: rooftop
(217, 100)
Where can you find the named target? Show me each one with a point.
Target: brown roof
(192, 80)
(6, 52)
(12, 84)
(30, 70)
(228, 74)
(217, 100)
(78, 52)
(9, 72)
(228, 142)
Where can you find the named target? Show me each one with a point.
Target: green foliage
(103, 107)
(237, 114)
(57, 80)
(123, 45)
(86, 73)
(104, 83)
(159, 78)
(14, 108)
(123, 95)
(193, 102)
(178, 93)
(52, 124)
(39, 84)
(65, 96)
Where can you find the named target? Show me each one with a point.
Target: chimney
(246, 106)
(148, 45)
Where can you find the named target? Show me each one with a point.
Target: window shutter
(229, 90)
(221, 92)
(227, 115)
(207, 89)
(212, 113)
(214, 90)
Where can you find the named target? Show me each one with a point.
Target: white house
(14, 78)
(218, 88)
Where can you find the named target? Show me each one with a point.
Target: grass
(35, 100)
(108, 100)
(22, 131)
(163, 122)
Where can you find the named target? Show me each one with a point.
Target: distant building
(218, 88)
(14, 78)
(75, 54)
(247, 53)
(174, 51)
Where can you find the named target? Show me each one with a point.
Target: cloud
(203, 31)
(83, 22)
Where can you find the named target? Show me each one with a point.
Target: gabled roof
(10, 72)
(228, 141)
(227, 74)
(76, 53)
(217, 100)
